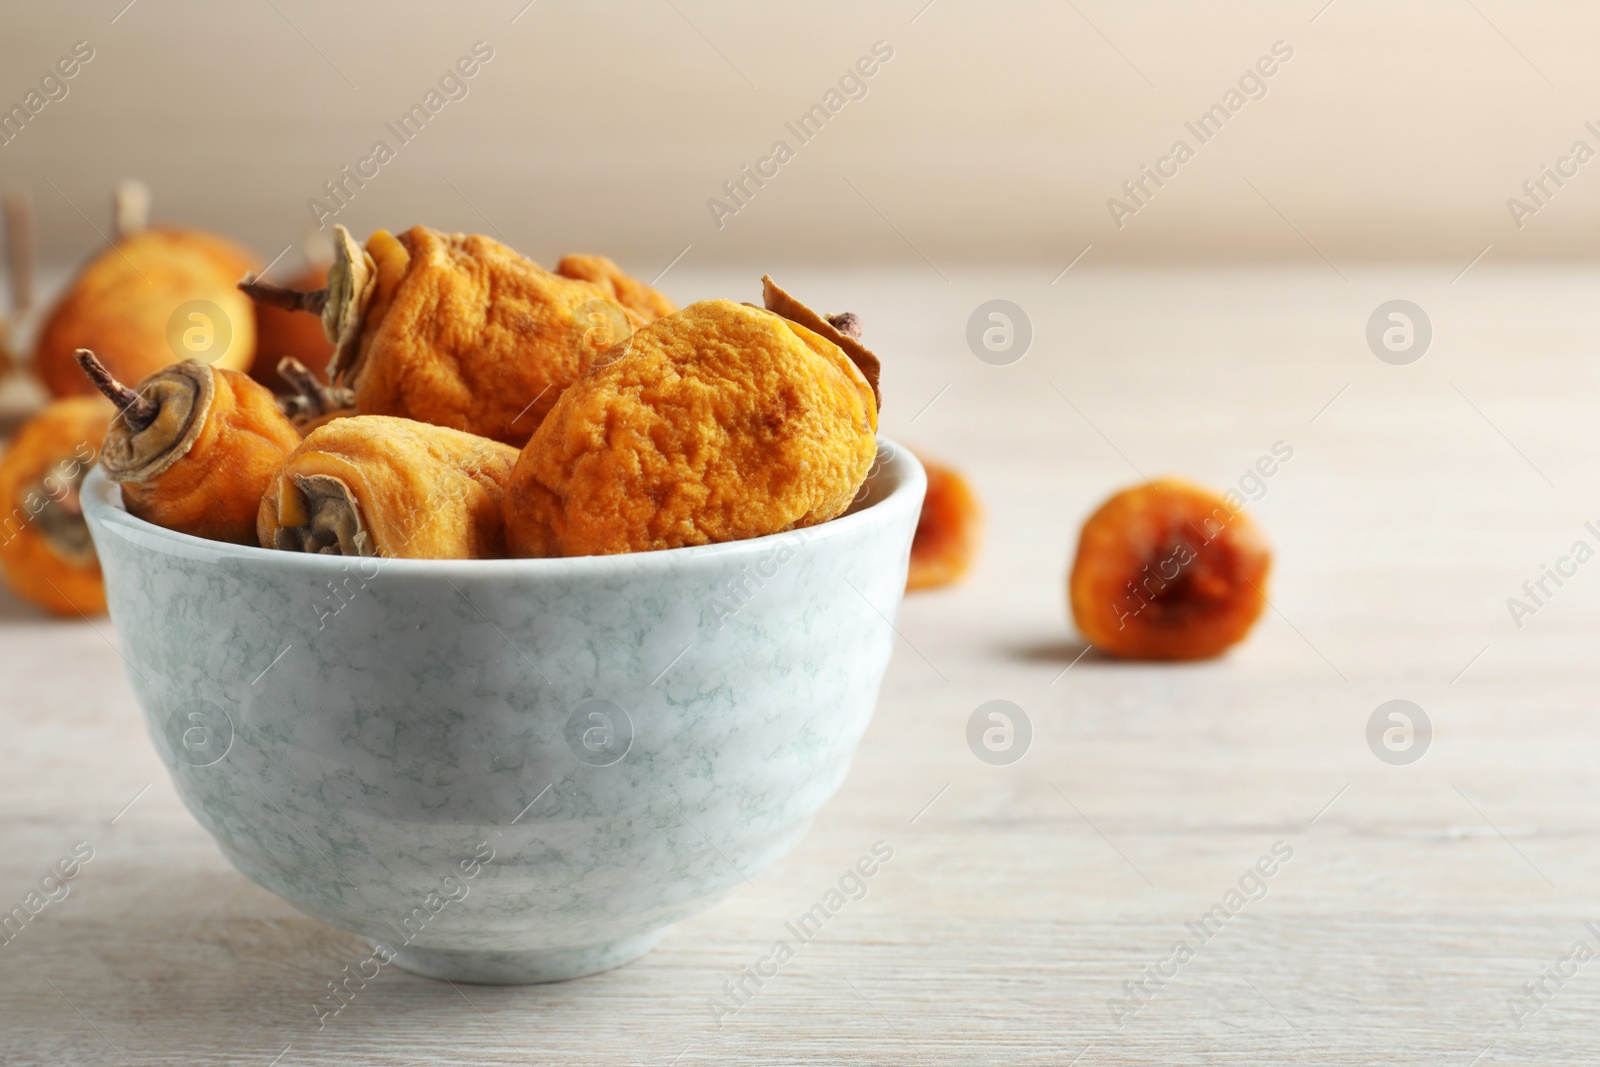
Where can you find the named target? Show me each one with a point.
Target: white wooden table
(1419, 898)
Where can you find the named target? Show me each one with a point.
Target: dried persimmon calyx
(847, 323)
(329, 518)
(312, 398)
(159, 424)
(843, 330)
(342, 303)
(351, 280)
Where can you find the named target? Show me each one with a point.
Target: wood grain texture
(1021, 898)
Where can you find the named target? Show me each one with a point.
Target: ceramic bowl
(510, 770)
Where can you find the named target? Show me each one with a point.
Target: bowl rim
(895, 465)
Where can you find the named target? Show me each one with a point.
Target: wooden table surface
(1418, 900)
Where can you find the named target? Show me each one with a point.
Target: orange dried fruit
(721, 422)
(194, 447)
(456, 330)
(1169, 571)
(631, 293)
(156, 297)
(372, 485)
(45, 550)
(947, 530)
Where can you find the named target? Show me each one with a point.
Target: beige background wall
(996, 132)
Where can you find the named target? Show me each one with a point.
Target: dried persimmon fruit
(722, 422)
(156, 297)
(457, 330)
(947, 529)
(193, 447)
(373, 485)
(628, 291)
(1168, 570)
(45, 551)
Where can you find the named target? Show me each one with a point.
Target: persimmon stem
(130, 208)
(280, 296)
(304, 383)
(139, 411)
(312, 398)
(847, 323)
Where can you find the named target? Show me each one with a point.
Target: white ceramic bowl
(510, 770)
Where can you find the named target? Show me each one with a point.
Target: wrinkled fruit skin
(425, 492)
(464, 332)
(120, 304)
(49, 454)
(947, 530)
(282, 333)
(631, 293)
(1168, 571)
(719, 423)
(215, 489)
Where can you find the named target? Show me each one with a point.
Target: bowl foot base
(529, 967)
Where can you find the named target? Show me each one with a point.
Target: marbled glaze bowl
(510, 770)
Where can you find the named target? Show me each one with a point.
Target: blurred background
(1200, 217)
(997, 132)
